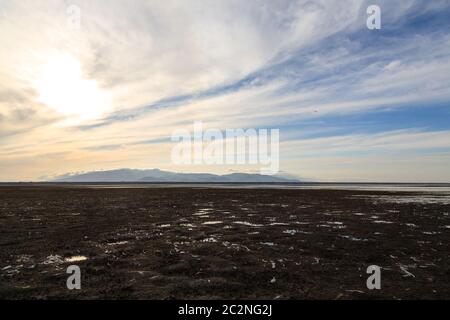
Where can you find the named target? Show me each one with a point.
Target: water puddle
(352, 238)
(245, 223)
(75, 259)
(212, 222)
(383, 222)
(118, 243)
(270, 244)
(295, 231)
(431, 233)
(202, 212)
(53, 259)
(187, 225)
(211, 239)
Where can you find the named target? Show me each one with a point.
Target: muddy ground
(206, 243)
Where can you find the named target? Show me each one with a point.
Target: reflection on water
(212, 222)
(75, 259)
(424, 198)
(403, 187)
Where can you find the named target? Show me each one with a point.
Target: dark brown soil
(153, 243)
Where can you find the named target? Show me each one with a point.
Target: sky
(103, 84)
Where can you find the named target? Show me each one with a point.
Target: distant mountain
(156, 175)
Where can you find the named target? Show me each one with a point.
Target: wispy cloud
(311, 68)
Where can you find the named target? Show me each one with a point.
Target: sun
(62, 87)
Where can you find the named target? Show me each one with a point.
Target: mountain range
(156, 175)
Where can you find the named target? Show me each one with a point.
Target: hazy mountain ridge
(156, 175)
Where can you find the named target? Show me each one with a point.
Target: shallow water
(403, 187)
(75, 259)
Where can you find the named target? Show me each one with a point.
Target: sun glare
(62, 87)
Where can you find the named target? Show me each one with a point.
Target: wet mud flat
(208, 243)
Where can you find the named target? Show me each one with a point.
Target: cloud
(103, 147)
(396, 156)
(230, 64)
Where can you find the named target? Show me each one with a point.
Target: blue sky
(352, 104)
